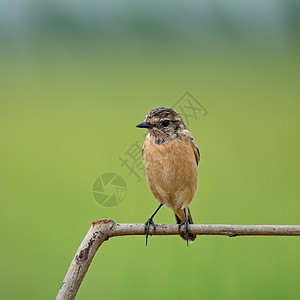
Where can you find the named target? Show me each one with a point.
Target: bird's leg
(150, 222)
(186, 223)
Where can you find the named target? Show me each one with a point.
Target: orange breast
(171, 171)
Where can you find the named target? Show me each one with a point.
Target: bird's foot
(147, 228)
(187, 231)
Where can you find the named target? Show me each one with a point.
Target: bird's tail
(179, 215)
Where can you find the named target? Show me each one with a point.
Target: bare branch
(102, 230)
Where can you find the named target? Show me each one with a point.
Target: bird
(170, 157)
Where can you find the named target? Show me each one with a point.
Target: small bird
(170, 156)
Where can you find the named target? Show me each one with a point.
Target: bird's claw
(147, 228)
(187, 231)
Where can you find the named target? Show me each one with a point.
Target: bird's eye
(165, 123)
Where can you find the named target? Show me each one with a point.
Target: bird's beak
(144, 125)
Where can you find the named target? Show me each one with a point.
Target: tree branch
(102, 230)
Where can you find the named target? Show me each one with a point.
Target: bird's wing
(196, 150)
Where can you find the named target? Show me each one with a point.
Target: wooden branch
(102, 230)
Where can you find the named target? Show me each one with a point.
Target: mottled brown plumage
(170, 156)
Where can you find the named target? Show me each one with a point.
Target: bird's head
(163, 123)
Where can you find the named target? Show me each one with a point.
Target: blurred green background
(77, 76)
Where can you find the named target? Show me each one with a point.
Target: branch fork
(100, 231)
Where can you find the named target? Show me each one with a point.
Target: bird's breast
(171, 171)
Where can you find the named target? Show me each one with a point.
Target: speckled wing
(196, 150)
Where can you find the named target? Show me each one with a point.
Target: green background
(71, 95)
